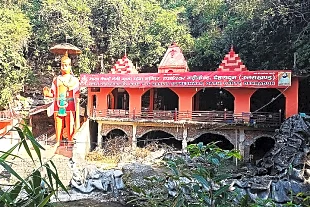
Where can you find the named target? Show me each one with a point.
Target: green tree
(196, 183)
(57, 22)
(143, 28)
(34, 190)
(14, 34)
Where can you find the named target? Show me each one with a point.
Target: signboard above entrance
(245, 79)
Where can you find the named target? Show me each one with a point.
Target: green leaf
(9, 152)
(49, 175)
(138, 190)
(172, 165)
(13, 172)
(178, 201)
(234, 153)
(46, 199)
(215, 161)
(202, 181)
(16, 190)
(30, 136)
(25, 144)
(35, 144)
(5, 196)
(220, 177)
(36, 178)
(221, 190)
(57, 180)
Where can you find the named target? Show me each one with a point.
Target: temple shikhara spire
(173, 61)
(232, 62)
(124, 66)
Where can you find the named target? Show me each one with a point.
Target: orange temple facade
(125, 83)
(237, 106)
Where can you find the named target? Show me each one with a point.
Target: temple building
(233, 104)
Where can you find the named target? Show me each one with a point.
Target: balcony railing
(256, 119)
(5, 115)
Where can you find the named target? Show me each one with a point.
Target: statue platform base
(65, 148)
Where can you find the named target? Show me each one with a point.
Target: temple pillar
(99, 136)
(241, 142)
(151, 107)
(242, 99)
(246, 152)
(77, 114)
(102, 101)
(185, 101)
(115, 97)
(135, 96)
(291, 98)
(197, 99)
(112, 101)
(184, 140)
(90, 108)
(134, 137)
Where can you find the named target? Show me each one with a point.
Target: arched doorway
(221, 140)
(268, 100)
(209, 99)
(160, 99)
(115, 140)
(161, 138)
(260, 147)
(118, 99)
(165, 99)
(159, 103)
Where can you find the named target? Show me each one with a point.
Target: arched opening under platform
(159, 138)
(222, 141)
(115, 133)
(260, 147)
(115, 141)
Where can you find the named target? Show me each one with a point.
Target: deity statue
(65, 91)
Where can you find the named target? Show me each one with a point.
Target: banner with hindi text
(246, 79)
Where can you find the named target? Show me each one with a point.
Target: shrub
(35, 190)
(190, 182)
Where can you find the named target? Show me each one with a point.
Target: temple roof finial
(232, 48)
(232, 62)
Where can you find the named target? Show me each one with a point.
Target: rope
(272, 100)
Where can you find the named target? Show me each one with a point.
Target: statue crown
(65, 57)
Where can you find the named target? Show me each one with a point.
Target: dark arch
(260, 147)
(118, 99)
(261, 97)
(116, 137)
(160, 137)
(116, 133)
(163, 99)
(209, 99)
(207, 138)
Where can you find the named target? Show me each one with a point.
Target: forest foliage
(266, 34)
